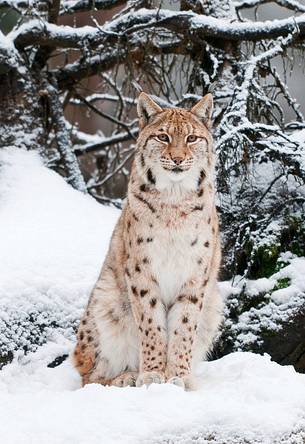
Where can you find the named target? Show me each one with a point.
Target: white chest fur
(173, 260)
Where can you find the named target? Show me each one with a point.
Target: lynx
(155, 309)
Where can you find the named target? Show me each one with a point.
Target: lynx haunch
(155, 309)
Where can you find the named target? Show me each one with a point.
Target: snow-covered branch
(9, 57)
(239, 106)
(292, 5)
(59, 36)
(16, 4)
(67, 7)
(63, 140)
(71, 7)
(125, 26)
(238, 133)
(103, 97)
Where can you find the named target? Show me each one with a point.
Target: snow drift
(53, 240)
(244, 398)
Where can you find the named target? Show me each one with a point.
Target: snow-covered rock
(260, 309)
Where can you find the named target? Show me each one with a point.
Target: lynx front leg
(183, 320)
(149, 314)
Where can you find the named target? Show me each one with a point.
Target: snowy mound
(244, 398)
(53, 241)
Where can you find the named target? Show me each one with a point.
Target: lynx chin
(155, 309)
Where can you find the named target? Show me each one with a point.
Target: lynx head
(174, 144)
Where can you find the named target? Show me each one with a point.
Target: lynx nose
(177, 160)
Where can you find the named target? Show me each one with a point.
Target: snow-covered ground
(243, 398)
(53, 240)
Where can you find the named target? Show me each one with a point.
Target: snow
(257, 286)
(271, 307)
(298, 136)
(8, 52)
(53, 240)
(295, 273)
(58, 31)
(242, 396)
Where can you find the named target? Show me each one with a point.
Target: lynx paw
(147, 378)
(190, 382)
(187, 382)
(177, 381)
(125, 380)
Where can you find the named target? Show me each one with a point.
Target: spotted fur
(155, 309)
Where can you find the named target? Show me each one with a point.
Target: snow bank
(243, 398)
(53, 241)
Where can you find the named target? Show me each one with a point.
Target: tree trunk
(30, 109)
(23, 113)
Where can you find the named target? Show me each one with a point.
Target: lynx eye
(163, 137)
(191, 138)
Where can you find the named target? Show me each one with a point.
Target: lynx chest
(177, 256)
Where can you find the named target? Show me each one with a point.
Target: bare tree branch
(54, 11)
(114, 55)
(291, 101)
(107, 141)
(112, 173)
(73, 73)
(103, 114)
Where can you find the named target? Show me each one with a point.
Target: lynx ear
(204, 109)
(146, 109)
